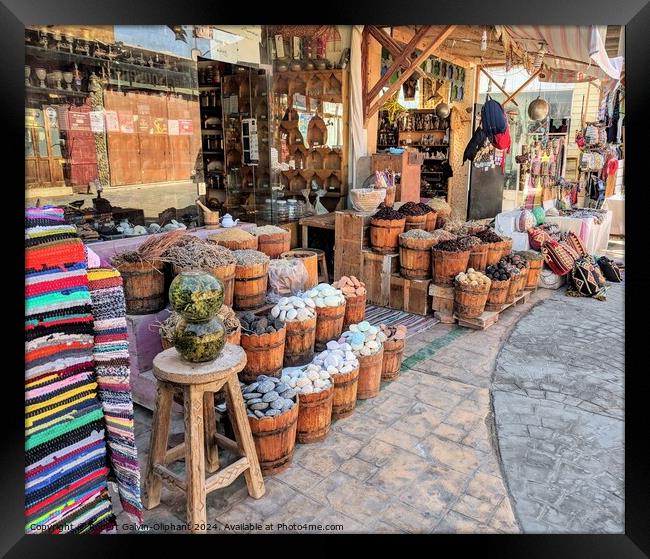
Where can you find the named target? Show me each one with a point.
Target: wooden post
(210, 428)
(489, 77)
(373, 73)
(520, 88)
(194, 459)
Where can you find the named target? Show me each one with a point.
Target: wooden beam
(399, 61)
(522, 86)
(489, 77)
(431, 48)
(392, 46)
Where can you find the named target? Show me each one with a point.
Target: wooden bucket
(498, 295)
(513, 288)
(447, 265)
(469, 303)
(431, 221)
(506, 247)
(310, 260)
(274, 244)
(478, 255)
(384, 234)
(355, 309)
(442, 218)
(389, 200)
(415, 257)
(234, 337)
(345, 393)
(144, 286)
(370, 367)
(533, 273)
(264, 354)
(493, 254)
(523, 280)
(299, 345)
(314, 416)
(250, 286)
(224, 273)
(392, 361)
(415, 222)
(250, 244)
(329, 324)
(275, 440)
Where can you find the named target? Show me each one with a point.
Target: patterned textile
(586, 280)
(66, 471)
(540, 214)
(537, 238)
(526, 221)
(610, 270)
(558, 257)
(576, 244)
(111, 353)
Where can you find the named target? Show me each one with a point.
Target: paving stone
(487, 488)
(401, 471)
(420, 421)
(472, 507)
(409, 519)
(358, 469)
(449, 453)
(299, 478)
(456, 523)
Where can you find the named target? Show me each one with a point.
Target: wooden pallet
(487, 319)
(409, 295)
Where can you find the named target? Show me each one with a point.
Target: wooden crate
(409, 295)
(292, 227)
(351, 237)
(442, 298)
(377, 272)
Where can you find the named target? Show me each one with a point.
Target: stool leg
(210, 430)
(158, 444)
(241, 427)
(194, 459)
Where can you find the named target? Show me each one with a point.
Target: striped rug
(414, 323)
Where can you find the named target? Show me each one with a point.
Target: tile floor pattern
(419, 458)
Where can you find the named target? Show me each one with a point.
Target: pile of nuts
(306, 380)
(324, 295)
(252, 323)
(498, 272)
(364, 339)
(516, 260)
(474, 280)
(294, 308)
(455, 245)
(268, 397)
(350, 286)
(337, 358)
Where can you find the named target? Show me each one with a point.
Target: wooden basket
(469, 303)
(314, 416)
(274, 244)
(506, 247)
(498, 295)
(478, 256)
(310, 259)
(235, 336)
(144, 286)
(370, 367)
(533, 273)
(226, 274)
(513, 288)
(523, 280)
(355, 309)
(249, 244)
(250, 286)
(299, 345)
(166, 344)
(415, 257)
(329, 324)
(493, 254)
(392, 361)
(431, 221)
(345, 393)
(275, 440)
(415, 222)
(389, 201)
(447, 265)
(264, 354)
(210, 218)
(384, 234)
(367, 199)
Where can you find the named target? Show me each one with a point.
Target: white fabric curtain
(358, 135)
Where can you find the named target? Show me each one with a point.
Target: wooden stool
(323, 274)
(200, 381)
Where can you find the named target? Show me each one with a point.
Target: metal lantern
(442, 110)
(538, 109)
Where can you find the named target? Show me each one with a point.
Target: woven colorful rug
(414, 323)
(66, 485)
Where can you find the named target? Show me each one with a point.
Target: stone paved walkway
(559, 407)
(418, 458)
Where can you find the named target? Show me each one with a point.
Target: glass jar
(200, 341)
(196, 295)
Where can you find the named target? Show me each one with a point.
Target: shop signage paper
(236, 44)
(173, 127)
(144, 124)
(159, 125)
(126, 122)
(79, 121)
(97, 121)
(186, 127)
(112, 122)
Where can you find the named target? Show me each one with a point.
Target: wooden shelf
(54, 91)
(423, 131)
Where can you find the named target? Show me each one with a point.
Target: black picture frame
(635, 14)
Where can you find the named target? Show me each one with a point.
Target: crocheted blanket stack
(66, 485)
(111, 352)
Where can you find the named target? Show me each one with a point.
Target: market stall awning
(573, 53)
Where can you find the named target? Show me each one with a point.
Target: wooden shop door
(80, 145)
(152, 129)
(43, 157)
(122, 138)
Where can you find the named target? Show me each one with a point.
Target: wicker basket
(367, 199)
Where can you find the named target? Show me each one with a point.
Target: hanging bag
(493, 118)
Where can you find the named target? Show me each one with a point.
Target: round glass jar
(196, 295)
(200, 341)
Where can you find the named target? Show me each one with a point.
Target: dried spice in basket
(411, 208)
(516, 260)
(388, 214)
(246, 257)
(498, 272)
(191, 252)
(418, 234)
(454, 245)
(488, 236)
(468, 242)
